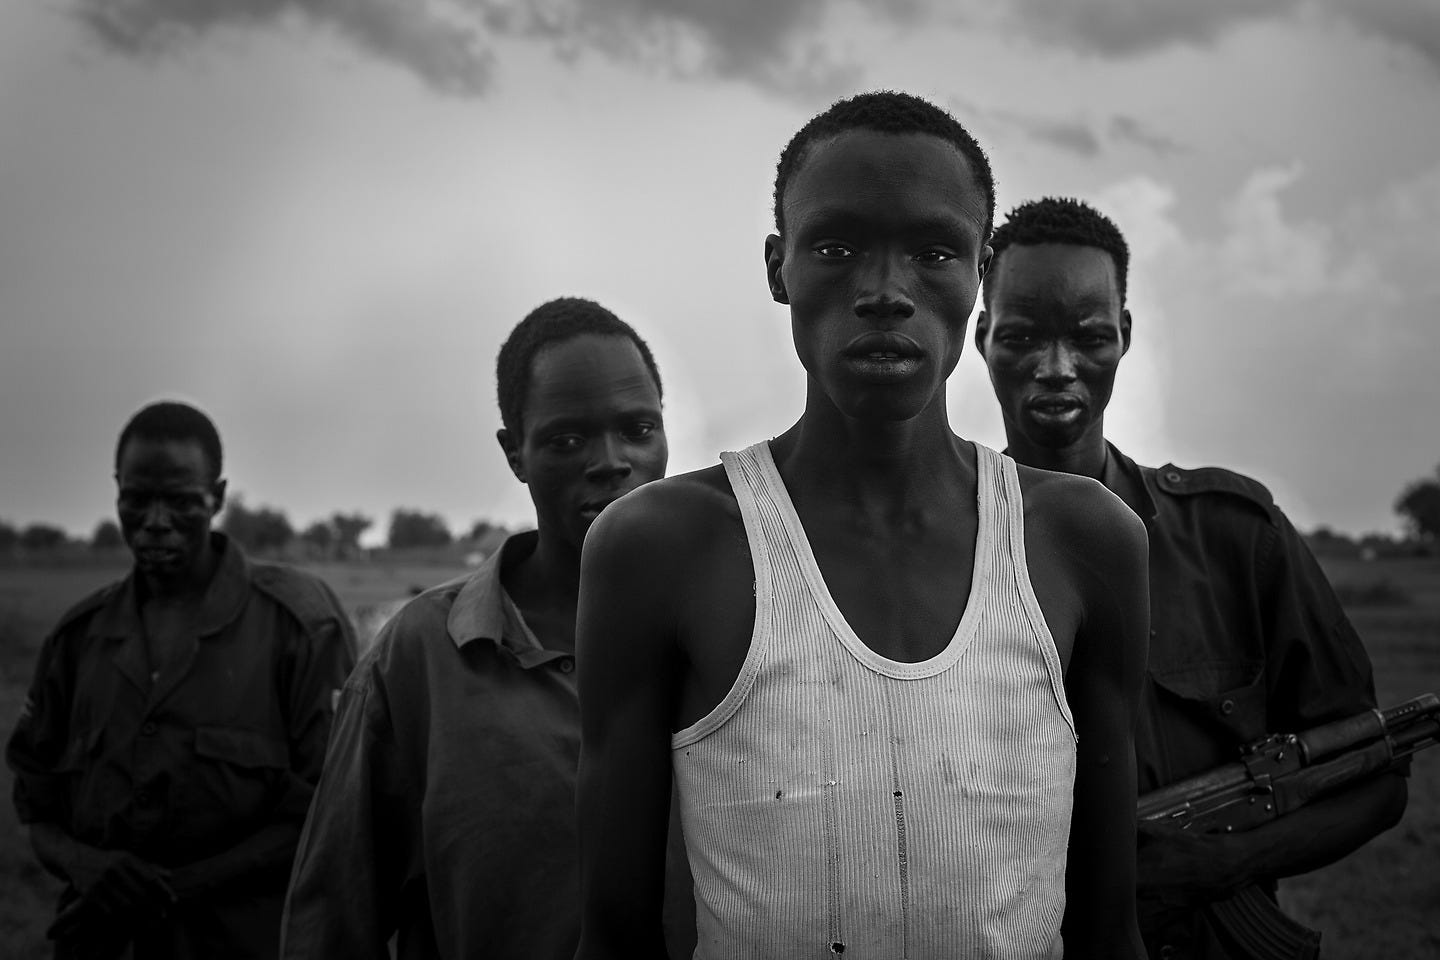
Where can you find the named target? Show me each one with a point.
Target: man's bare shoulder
(676, 515)
(1079, 511)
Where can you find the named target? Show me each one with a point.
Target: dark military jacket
(1247, 638)
(181, 766)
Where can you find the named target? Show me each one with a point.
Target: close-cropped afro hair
(553, 322)
(1061, 220)
(171, 420)
(885, 111)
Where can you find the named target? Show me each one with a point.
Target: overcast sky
(318, 220)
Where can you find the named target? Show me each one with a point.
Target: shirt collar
(224, 598)
(1118, 466)
(484, 611)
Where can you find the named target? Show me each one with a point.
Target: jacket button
(1172, 476)
(1227, 707)
(148, 728)
(567, 664)
(1168, 950)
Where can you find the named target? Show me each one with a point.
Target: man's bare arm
(1103, 685)
(629, 681)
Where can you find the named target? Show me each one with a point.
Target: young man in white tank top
(894, 675)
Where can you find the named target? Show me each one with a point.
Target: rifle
(1274, 776)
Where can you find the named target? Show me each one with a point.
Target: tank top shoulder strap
(744, 470)
(1011, 502)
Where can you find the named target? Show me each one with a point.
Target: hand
(1181, 867)
(115, 882)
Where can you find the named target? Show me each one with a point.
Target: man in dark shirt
(446, 812)
(1247, 636)
(176, 726)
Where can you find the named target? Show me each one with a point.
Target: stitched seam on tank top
(809, 567)
(1020, 564)
(834, 926)
(763, 630)
(901, 840)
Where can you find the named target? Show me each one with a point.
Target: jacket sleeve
(316, 673)
(1319, 668)
(349, 868)
(39, 746)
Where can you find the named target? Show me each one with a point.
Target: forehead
(1053, 273)
(588, 374)
(870, 174)
(147, 461)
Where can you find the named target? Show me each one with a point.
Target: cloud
(444, 52)
(1413, 24)
(1124, 129)
(1265, 254)
(449, 44)
(1122, 28)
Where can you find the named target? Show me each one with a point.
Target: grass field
(1383, 901)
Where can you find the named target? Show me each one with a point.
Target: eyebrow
(838, 217)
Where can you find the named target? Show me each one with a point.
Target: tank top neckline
(980, 579)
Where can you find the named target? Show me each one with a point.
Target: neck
(1085, 458)
(553, 569)
(868, 460)
(186, 585)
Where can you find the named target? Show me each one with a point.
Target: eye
(935, 256)
(640, 430)
(834, 251)
(565, 442)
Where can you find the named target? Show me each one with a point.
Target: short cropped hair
(549, 324)
(885, 111)
(171, 420)
(1061, 220)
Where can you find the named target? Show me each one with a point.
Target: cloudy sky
(318, 219)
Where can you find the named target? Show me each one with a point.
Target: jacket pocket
(1229, 694)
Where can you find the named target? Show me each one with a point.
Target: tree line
(267, 530)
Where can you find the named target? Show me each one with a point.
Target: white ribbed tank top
(837, 802)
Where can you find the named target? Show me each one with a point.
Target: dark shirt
(446, 812)
(1247, 638)
(180, 766)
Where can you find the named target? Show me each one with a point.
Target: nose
(1056, 366)
(610, 460)
(157, 515)
(883, 293)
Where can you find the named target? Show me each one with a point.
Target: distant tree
(261, 528)
(1419, 505)
(9, 537)
(106, 536)
(348, 528)
(320, 535)
(413, 528)
(40, 537)
(482, 530)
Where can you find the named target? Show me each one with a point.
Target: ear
(1124, 332)
(982, 330)
(774, 261)
(511, 445)
(218, 492)
(987, 258)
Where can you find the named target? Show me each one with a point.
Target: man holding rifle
(1247, 636)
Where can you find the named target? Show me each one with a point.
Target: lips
(1056, 409)
(882, 345)
(1055, 402)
